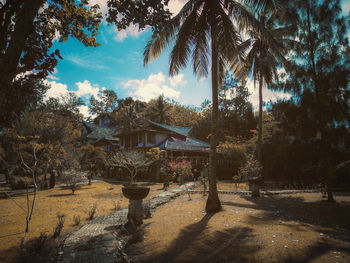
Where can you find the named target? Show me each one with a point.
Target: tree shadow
(193, 244)
(62, 195)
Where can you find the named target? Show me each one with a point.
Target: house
(173, 139)
(102, 136)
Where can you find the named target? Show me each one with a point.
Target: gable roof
(98, 133)
(176, 129)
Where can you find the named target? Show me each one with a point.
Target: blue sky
(118, 65)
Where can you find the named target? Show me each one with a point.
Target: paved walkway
(97, 242)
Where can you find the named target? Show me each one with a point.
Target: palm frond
(162, 38)
(182, 48)
(264, 5)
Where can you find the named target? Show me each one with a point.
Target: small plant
(76, 220)
(92, 212)
(251, 169)
(59, 226)
(39, 242)
(116, 205)
(73, 179)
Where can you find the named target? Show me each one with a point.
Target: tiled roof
(187, 144)
(177, 129)
(99, 133)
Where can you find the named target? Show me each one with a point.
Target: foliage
(318, 114)
(157, 110)
(104, 104)
(160, 163)
(182, 170)
(233, 153)
(73, 179)
(92, 159)
(59, 226)
(76, 220)
(129, 113)
(142, 13)
(251, 169)
(183, 116)
(92, 212)
(265, 55)
(199, 27)
(28, 30)
(131, 160)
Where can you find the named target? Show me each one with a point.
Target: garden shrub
(59, 225)
(182, 170)
(73, 178)
(252, 168)
(19, 182)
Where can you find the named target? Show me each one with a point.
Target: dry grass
(49, 204)
(288, 228)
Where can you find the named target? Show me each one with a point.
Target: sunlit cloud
(153, 86)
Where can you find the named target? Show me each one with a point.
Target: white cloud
(86, 89)
(52, 77)
(102, 4)
(268, 95)
(175, 6)
(155, 85)
(132, 30)
(177, 80)
(83, 109)
(57, 90)
(84, 63)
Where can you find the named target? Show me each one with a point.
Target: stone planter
(135, 194)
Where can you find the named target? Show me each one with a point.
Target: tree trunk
(23, 28)
(260, 124)
(52, 179)
(213, 203)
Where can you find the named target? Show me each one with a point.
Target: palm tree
(129, 113)
(158, 111)
(264, 57)
(200, 27)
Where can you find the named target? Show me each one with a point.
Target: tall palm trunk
(260, 125)
(213, 203)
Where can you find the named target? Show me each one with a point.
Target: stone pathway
(97, 242)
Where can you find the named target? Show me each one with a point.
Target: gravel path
(97, 242)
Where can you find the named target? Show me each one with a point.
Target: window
(140, 135)
(134, 140)
(151, 138)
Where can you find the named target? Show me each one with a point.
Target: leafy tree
(142, 13)
(318, 76)
(185, 116)
(264, 57)
(106, 102)
(92, 159)
(157, 110)
(198, 27)
(129, 113)
(23, 95)
(27, 32)
(236, 112)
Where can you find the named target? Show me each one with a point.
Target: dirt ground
(284, 228)
(52, 202)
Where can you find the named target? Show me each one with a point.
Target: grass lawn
(285, 228)
(51, 202)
